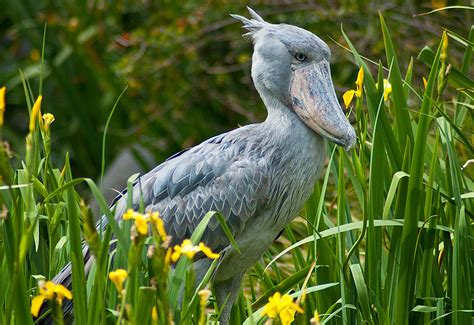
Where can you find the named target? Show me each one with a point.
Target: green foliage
(416, 181)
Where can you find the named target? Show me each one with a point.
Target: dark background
(185, 63)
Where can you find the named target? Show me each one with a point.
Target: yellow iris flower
(35, 112)
(142, 220)
(49, 291)
(48, 118)
(118, 277)
(281, 307)
(444, 48)
(159, 224)
(387, 89)
(187, 248)
(3, 91)
(349, 95)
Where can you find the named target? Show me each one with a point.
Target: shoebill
(258, 176)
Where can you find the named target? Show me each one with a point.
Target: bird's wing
(214, 176)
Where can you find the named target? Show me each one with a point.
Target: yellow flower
(142, 220)
(3, 90)
(118, 278)
(444, 48)
(49, 291)
(387, 89)
(141, 224)
(154, 314)
(35, 112)
(187, 248)
(359, 82)
(349, 95)
(282, 307)
(48, 118)
(159, 224)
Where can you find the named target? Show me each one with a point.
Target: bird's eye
(300, 57)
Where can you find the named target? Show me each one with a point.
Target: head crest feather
(253, 25)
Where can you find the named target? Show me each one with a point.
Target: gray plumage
(258, 176)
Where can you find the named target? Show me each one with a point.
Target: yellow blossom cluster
(187, 248)
(281, 307)
(349, 95)
(142, 220)
(49, 291)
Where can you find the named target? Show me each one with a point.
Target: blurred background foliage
(185, 64)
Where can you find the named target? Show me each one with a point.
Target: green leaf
(423, 309)
(146, 301)
(77, 259)
(362, 292)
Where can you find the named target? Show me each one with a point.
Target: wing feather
(214, 176)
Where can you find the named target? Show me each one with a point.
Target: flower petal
(36, 304)
(130, 214)
(348, 96)
(35, 111)
(207, 251)
(141, 224)
(359, 82)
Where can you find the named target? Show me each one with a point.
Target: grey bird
(258, 176)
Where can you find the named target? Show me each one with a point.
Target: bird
(258, 176)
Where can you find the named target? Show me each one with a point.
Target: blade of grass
(109, 118)
(362, 292)
(77, 259)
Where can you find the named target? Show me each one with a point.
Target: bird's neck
(283, 120)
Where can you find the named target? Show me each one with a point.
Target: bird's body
(258, 176)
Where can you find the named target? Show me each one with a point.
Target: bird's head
(292, 65)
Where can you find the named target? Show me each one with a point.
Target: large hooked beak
(314, 100)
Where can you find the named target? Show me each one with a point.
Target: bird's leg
(226, 292)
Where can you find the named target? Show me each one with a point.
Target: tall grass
(386, 237)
